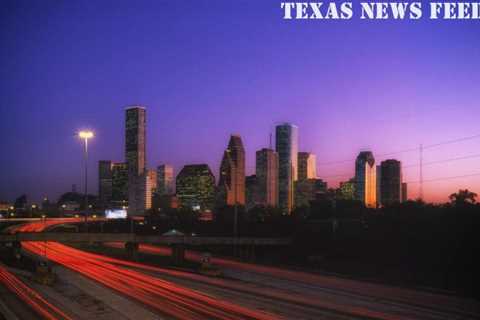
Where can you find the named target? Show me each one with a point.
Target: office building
(347, 190)
(104, 183)
(267, 177)
(119, 184)
(251, 192)
(365, 179)
(231, 183)
(112, 184)
(286, 140)
(307, 166)
(308, 190)
(135, 154)
(165, 180)
(195, 187)
(391, 182)
(404, 192)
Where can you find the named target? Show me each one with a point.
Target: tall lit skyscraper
(165, 182)
(196, 187)
(365, 179)
(391, 182)
(232, 173)
(286, 139)
(307, 166)
(267, 177)
(135, 154)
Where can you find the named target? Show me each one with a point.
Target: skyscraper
(152, 175)
(365, 179)
(391, 182)
(404, 192)
(196, 187)
(135, 154)
(251, 192)
(232, 173)
(105, 182)
(307, 166)
(286, 139)
(119, 184)
(165, 180)
(267, 177)
(112, 183)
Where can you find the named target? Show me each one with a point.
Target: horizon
(232, 68)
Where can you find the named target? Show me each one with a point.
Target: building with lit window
(195, 187)
(165, 180)
(307, 166)
(266, 163)
(231, 185)
(365, 179)
(135, 154)
(391, 182)
(286, 140)
(104, 183)
(112, 183)
(308, 190)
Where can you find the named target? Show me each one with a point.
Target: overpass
(131, 237)
(132, 241)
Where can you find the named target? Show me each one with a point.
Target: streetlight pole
(85, 135)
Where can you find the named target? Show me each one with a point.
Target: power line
(414, 165)
(448, 178)
(407, 150)
(452, 141)
(443, 161)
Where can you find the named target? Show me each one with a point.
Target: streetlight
(85, 135)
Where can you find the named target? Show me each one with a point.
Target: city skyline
(240, 80)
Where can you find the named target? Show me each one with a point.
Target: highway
(41, 306)
(341, 294)
(164, 296)
(259, 292)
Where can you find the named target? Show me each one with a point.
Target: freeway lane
(420, 304)
(31, 297)
(163, 296)
(312, 295)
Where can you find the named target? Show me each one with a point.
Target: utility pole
(420, 195)
(85, 135)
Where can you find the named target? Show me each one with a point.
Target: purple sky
(205, 69)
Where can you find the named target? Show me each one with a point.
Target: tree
(463, 197)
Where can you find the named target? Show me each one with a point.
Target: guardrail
(129, 237)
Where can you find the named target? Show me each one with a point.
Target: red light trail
(377, 291)
(161, 295)
(340, 296)
(31, 297)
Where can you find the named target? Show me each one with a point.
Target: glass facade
(267, 177)
(231, 183)
(365, 179)
(195, 187)
(286, 140)
(391, 182)
(135, 154)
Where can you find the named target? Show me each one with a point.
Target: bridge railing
(129, 237)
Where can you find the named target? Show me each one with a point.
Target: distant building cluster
(284, 177)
